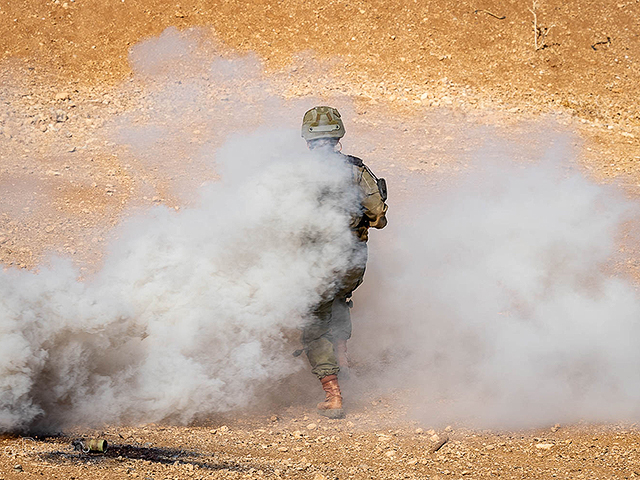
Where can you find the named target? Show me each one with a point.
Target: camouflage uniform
(331, 319)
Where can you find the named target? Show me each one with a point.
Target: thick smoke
(493, 301)
(490, 301)
(188, 315)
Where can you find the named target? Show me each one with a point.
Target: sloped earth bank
(69, 173)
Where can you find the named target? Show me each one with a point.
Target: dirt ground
(65, 75)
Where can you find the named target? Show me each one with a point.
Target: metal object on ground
(91, 445)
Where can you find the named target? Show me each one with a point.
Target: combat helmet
(322, 122)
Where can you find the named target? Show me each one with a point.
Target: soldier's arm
(374, 208)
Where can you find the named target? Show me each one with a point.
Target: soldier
(325, 337)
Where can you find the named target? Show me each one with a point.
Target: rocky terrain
(414, 78)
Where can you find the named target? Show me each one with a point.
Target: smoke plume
(493, 302)
(490, 300)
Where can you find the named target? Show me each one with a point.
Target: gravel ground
(417, 79)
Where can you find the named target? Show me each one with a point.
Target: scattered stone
(413, 461)
(439, 444)
(61, 116)
(71, 149)
(448, 428)
(312, 426)
(49, 228)
(17, 468)
(390, 453)
(419, 431)
(490, 447)
(274, 418)
(544, 446)
(319, 476)
(555, 428)
(61, 96)
(223, 429)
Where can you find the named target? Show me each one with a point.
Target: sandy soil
(64, 184)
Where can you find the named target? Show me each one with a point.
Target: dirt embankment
(586, 61)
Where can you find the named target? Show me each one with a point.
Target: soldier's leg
(341, 316)
(341, 332)
(316, 338)
(341, 319)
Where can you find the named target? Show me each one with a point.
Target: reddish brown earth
(64, 73)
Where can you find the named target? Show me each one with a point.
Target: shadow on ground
(166, 456)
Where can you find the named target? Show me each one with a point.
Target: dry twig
(491, 14)
(539, 32)
(439, 444)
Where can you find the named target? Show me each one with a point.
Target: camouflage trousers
(331, 322)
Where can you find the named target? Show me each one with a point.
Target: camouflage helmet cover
(322, 122)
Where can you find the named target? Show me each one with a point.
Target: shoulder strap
(354, 160)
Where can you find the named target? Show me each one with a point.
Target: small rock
(431, 432)
(61, 96)
(17, 468)
(390, 453)
(466, 472)
(274, 418)
(61, 116)
(490, 447)
(419, 430)
(43, 128)
(544, 446)
(413, 461)
(283, 449)
(71, 149)
(49, 228)
(555, 428)
(435, 437)
(3, 239)
(424, 96)
(223, 429)
(312, 426)
(319, 476)
(448, 428)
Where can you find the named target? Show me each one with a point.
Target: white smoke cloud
(189, 313)
(490, 301)
(495, 303)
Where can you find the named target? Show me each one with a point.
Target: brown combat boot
(332, 406)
